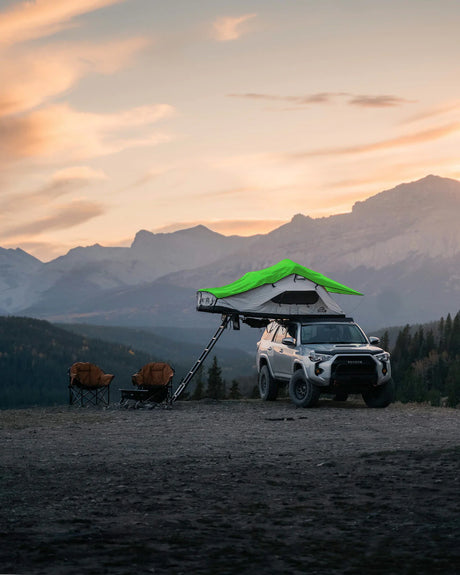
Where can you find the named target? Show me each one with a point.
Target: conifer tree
(453, 384)
(454, 346)
(199, 388)
(385, 341)
(234, 391)
(401, 353)
(216, 385)
(430, 342)
(446, 333)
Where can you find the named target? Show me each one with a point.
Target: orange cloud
(446, 108)
(64, 217)
(228, 28)
(60, 129)
(31, 78)
(62, 182)
(421, 137)
(31, 20)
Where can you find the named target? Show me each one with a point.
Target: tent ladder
(204, 354)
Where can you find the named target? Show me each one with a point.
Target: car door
(290, 352)
(279, 361)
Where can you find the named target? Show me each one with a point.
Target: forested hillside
(426, 362)
(35, 357)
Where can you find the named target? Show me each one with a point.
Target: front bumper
(348, 372)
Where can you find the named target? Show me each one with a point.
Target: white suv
(323, 355)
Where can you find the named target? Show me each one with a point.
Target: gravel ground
(234, 487)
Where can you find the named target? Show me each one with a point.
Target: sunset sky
(121, 115)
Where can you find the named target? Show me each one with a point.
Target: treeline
(35, 357)
(209, 383)
(425, 362)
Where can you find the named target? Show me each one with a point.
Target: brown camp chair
(88, 384)
(153, 383)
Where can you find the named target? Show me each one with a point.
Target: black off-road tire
(302, 391)
(268, 386)
(380, 396)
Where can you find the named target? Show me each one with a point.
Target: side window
(280, 334)
(292, 330)
(267, 335)
(270, 331)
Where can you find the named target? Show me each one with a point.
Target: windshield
(332, 333)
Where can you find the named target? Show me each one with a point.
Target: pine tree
(430, 342)
(446, 334)
(454, 346)
(255, 394)
(453, 384)
(199, 388)
(216, 385)
(234, 391)
(401, 352)
(385, 341)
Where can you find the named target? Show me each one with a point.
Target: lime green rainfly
(273, 274)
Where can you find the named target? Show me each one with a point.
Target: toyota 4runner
(323, 355)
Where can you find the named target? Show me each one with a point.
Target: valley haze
(401, 248)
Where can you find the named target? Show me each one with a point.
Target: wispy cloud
(31, 20)
(30, 78)
(362, 100)
(60, 129)
(420, 137)
(230, 28)
(63, 217)
(63, 182)
(380, 101)
(318, 98)
(450, 108)
(148, 177)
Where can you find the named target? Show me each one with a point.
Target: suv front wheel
(380, 396)
(302, 391)
(268, 386)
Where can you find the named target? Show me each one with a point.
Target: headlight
(385, 356)
(317, 357)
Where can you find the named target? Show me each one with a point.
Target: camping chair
(89, 385)
(153, 384)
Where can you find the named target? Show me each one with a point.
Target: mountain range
(401, 248)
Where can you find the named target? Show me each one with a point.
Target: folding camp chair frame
(80, 395)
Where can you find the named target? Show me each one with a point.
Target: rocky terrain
(234, 487)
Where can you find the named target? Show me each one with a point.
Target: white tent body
(292, 295)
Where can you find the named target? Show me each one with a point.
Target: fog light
(384, 370)
(318, 370)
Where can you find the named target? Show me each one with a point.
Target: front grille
(353, 370)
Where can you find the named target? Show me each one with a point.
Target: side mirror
(374, 340)
(290, 341)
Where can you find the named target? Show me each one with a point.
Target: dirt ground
(234, 487)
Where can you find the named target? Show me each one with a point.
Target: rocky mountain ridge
(400, 247)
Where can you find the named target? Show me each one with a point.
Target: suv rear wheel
(302, 391)
(268, 386)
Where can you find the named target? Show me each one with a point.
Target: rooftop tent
(283, 290)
